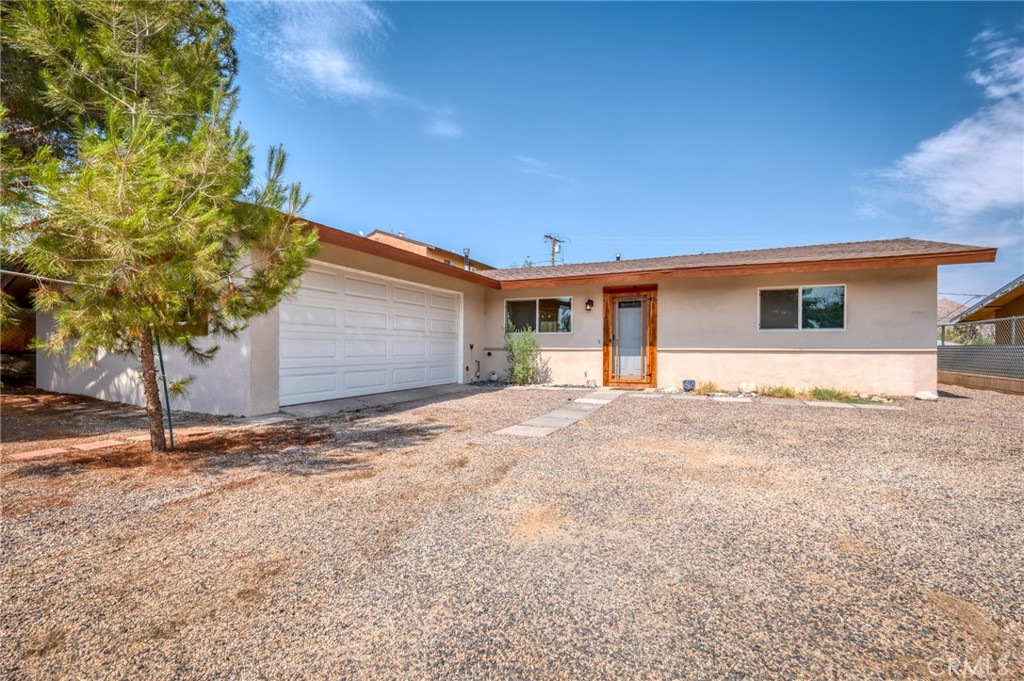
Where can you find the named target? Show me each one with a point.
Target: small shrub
(830, 395)
(523, 352)
(706, 388)
(777, 391)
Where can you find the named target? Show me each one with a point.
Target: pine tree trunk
(157, 443)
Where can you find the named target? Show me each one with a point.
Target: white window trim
(799, 306)
(536, 314)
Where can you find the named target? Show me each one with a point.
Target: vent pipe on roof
(465, 258)
(618, 256)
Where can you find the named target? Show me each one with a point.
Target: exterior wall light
(589, 305)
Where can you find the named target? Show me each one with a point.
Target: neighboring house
(1007, 301)
(371, 317)
(983, 346)
(400, 240)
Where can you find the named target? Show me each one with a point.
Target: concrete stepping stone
(831, 405)
(579, 409)
(553, 421)
(527, 431)
(102, 444)
(781, 401)
(880, 407)
(37, 453)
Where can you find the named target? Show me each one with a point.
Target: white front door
(346, 333)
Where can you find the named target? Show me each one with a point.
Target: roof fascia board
(848, 264)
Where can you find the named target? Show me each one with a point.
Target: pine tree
(148, 210)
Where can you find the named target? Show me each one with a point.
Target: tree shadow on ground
(299, 449)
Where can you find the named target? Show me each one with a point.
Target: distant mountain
(948, 309)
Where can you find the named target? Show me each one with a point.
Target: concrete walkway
(349, 404)
(578, 409)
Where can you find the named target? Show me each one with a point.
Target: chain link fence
(994, 347)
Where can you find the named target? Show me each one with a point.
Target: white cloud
(325, 49)
(966, 184)
(534, 166)
(975, 168)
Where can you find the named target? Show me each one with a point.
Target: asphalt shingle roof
(855, 250)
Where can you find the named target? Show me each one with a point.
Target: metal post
(167, 395)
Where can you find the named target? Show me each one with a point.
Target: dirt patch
(970, 621)
(48, 642)
(264, 573)
(542, 523)
(852, 546)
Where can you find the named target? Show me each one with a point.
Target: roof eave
(846, 264)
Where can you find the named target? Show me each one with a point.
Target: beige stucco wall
(707, 330)
(243, 379)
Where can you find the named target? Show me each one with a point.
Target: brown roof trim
(868, 263)
(336, 237)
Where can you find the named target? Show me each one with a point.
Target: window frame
(800, 306)
(536, 314)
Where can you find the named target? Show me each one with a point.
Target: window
(544, 315)
(806, 308)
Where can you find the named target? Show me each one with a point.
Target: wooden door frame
(610, 293)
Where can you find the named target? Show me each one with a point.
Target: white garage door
(346, 333)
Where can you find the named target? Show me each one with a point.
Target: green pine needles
(148, 203)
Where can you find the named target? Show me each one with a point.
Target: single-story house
(370, 317)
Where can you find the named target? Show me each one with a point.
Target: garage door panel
(443, 351)
(365, 319)
(442, 374)
(326, 282)
(408, 296)
(443, 326)
(444, 301)
(304, 314)
(305, 349)
(363, 288)
(345, 334)
(409, 349)
(404, 322)
(402, 376)
(365, 379)
(311, 385)
(366, 349)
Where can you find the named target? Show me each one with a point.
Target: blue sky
(648, 128)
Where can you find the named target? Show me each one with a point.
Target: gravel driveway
(658, 538)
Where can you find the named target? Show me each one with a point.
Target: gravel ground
(658, 538)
